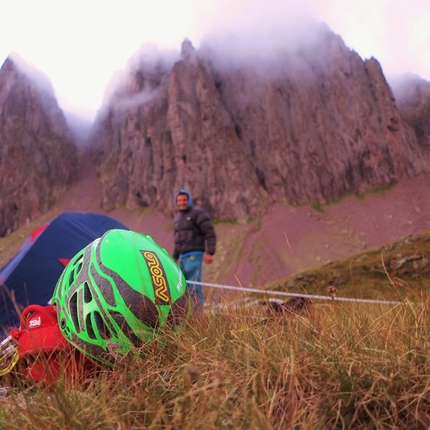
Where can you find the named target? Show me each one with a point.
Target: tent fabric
(31, 275)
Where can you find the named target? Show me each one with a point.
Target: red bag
(38, 331)
(43, 352)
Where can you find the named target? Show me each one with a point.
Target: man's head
(183, 200)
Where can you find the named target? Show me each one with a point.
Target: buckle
(8, 355)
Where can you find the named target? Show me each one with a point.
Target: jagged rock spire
(187, 50)
(38, 158)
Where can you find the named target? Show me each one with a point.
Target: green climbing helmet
(117, 292)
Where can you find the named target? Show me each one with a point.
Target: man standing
(195, 241)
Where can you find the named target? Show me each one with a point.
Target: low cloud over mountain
(306, 124)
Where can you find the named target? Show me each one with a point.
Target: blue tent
(30, 276)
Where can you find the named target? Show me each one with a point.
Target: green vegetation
(318, 207)
(361, 196)
(229, 221)
(234, 221)
(381, 190)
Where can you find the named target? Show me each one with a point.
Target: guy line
(283, 293)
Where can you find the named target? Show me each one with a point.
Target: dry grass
(346, 366)
(11, 244)
(349, 366)
(386, 271)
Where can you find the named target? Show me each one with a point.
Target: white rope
(283, 293)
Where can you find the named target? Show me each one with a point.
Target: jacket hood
(190, 199)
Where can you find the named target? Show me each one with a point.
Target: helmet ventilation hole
(75, 272)
(73, 310)
(87, 293)
(71, 278)
(89, 327)
(125, 328)
(102, 329)
(79, 268)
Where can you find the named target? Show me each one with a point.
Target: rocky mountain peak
(38, 158)
(413, 101)
(15, 63)
(187, 51)
(306, 125)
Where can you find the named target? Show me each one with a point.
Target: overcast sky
(79, 44)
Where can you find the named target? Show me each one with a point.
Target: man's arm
(208, 231)
(175, 254)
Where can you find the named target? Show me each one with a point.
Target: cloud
(262, 24)
(80, 44)
(395, 32)
(151, 63)
(35, 75)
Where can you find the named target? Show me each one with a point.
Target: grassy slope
(10, 244)
(346, 365)
(392, 272)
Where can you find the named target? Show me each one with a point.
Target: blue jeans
(191, 267)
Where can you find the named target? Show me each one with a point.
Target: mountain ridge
(305, 127)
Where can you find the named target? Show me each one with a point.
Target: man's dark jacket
(192, 229)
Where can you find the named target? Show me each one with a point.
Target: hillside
(395, 271)
(285, 241)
